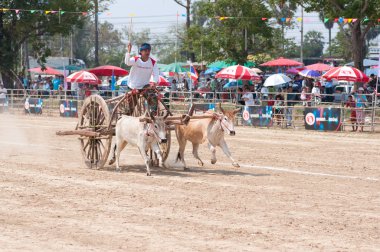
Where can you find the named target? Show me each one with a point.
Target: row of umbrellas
(91, 76)
(345, 73)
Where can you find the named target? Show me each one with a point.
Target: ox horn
(151, 116)
(220, 107)
(236, 110)
(166, 114)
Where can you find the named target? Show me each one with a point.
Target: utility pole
(301, 35)
(96, 34)
(176, 40)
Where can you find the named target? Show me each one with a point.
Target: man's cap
(361, 89)
(145, 46)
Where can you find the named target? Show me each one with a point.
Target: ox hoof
(213, 161)
(118, 170)
(200, 163)
(164, 166)
(186, 169)
(148, 174)
(235, 164)
(111, 161)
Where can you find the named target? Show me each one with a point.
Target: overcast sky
(160, 15)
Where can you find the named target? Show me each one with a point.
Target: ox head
(227, 119)
(159, 127)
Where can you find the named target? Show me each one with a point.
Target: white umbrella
(122, 81)
(256, 70)
(276, 80)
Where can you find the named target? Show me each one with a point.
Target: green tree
(17, 28)
(366, 13)
(340, 46)
(283, 9)
(313, 44)
(237, 32)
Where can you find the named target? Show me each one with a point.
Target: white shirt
(316, 91)
(264, 91)
(141, 71)
(248, 96)
(3, 93)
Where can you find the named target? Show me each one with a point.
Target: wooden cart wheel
(139, 110)
(95, 116)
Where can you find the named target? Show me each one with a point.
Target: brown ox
(212, 130)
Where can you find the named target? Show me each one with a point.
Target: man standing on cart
(142, 68)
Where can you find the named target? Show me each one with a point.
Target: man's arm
(155, 73)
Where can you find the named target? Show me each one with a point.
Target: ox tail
(178, 157)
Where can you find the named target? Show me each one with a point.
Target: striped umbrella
(83, 77)
(238, 72)
(310, 73)
(162, 82)
(346, 73)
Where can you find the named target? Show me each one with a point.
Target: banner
(203, 107)
(68, 108)
(260, 116)
(325, 119)
(33, 105)
(3, 105)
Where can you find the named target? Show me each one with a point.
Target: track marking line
(288, 170)
(270, 168)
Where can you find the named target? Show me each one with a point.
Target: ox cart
(97, 121)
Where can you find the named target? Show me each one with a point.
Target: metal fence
(286, 113)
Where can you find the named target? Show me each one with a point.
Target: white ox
(212, 130)
(145, 135)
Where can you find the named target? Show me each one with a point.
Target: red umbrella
(319, 67)
(83, 77)
(108, 71)
(47, 71)
(281, 62)
(238, 72)
(346, 73)
(162, 82)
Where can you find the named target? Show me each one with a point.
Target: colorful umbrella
(162, 82)
(212, 70)
(232, 84)
(46, 71)
(310, 73)
(237, 72)
(276, 80)
(83, 77)
(294, 70)
(174, 68)
(346, 73)
(319, 67)
(70, 68)
(108, 71)
(281, 62)
(221, 64)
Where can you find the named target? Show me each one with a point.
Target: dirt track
(296, 190)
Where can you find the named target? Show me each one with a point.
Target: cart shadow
(180, 172)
